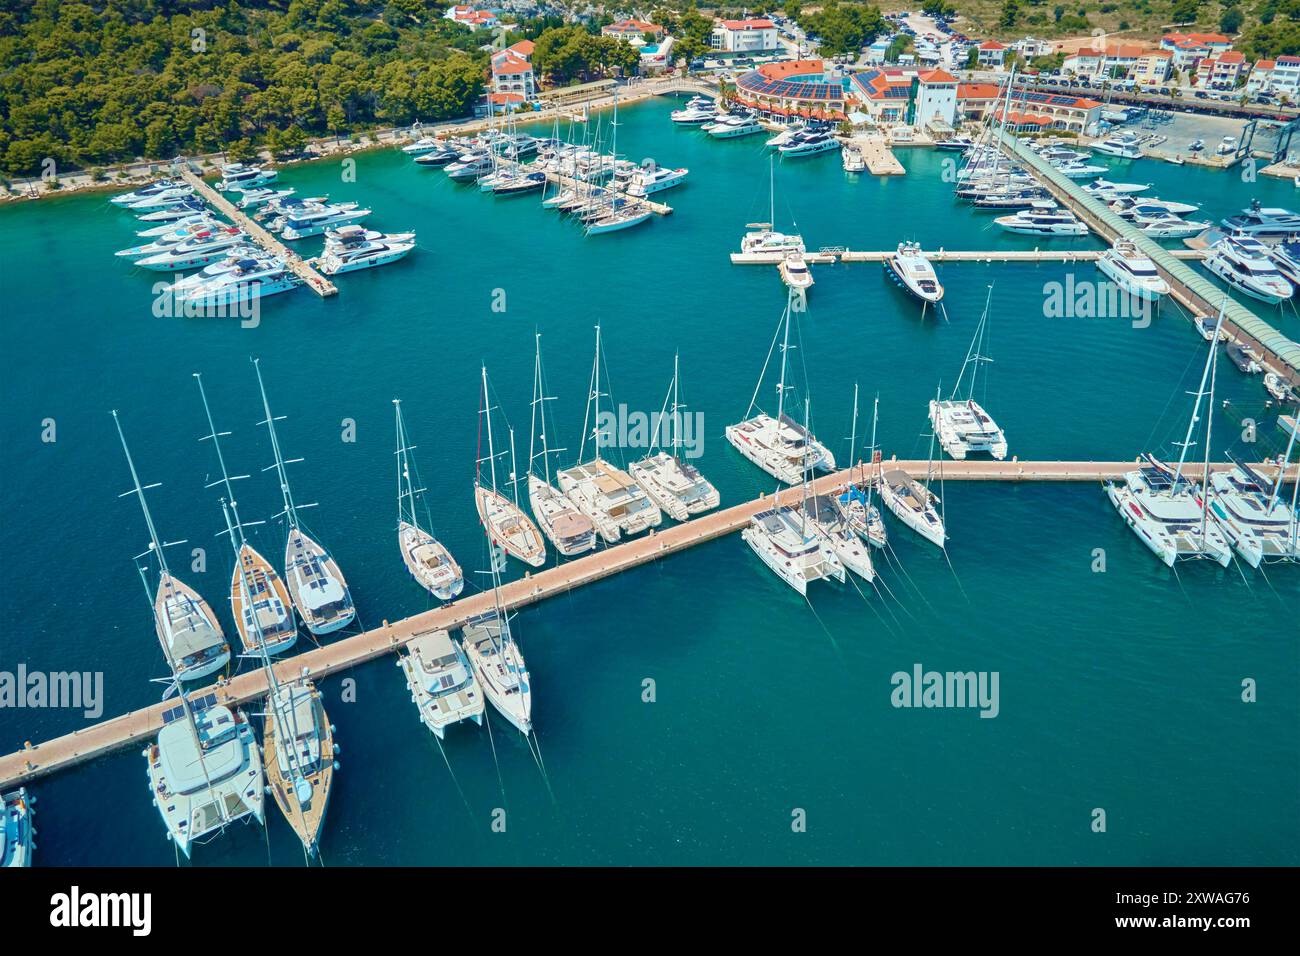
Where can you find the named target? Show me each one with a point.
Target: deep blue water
(1119, 690)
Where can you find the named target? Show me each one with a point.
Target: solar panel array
(756, 82)
(201, 704)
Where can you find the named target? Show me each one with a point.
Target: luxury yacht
(249, 279)
(958, 144)
(1126, 207)
(1286, 256)
(909, 268)
(499, 666)
(808, 144)
(517, 182)
(647, 181)
(200, 218)
(1108, 191)
(312, 220)
(205, 770)
(428, 560)
(1244, 264)
(350, 248)
(1159, 224)
(1080, 170)
(762, 240)
(852, 160)
(1264, 223)
(425, 144)
(913, 504)
(1260, 527)
(695, 115)
(1043, 222)
(784, 539)
(795, 272)
(240, 176)
(166, 237)
(170, 213)
(733, 126)
(17, 828)
(1167, 514)
(176, 196)
(829, 522)
(151, 191)
(963, 427)
(1133, 271)
(441, 681)
(1122, 145)
(261, 195)
(201, 249)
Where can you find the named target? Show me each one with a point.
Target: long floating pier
(294, 262)
(140, 725)
(832, 254)
(569, 182)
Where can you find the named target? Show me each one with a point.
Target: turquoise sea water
(1119, 690)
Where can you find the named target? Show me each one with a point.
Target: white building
(745, 36)
(473, 18)
(936, 99)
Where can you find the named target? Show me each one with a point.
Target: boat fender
(336, 765)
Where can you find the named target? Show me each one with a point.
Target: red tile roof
(511, 67)
(1265, 64)
(1232, 56)
(523, 47)
(992, 45)
(758, 24)
(937, 76)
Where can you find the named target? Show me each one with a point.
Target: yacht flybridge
(672, 483)
(1264, 223)
(571, 531)
(190, 634)
(1165, 508)
(315, 583)
(428, 560)
(605, 493)
(911, 270)
(780, 446)
(259, 600)
(504, 521)
(441, 681)
(1243, 263)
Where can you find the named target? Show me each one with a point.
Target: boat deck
(138, 726)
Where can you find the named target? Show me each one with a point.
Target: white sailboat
(779, 445)
(912, 502)
(762, 243)
(504, 521)
(259, 600)
(962, 425)
(190, 634)
(316, 585)
(862, 515)
(571, 531)
(1165, 509)
(605, 493)
(428, 560)
(671, 482)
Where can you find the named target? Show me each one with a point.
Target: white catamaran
(428, 560)
(571, 531)
(671, 482)
(316, 585)
(441, 681)
(504, 521)
(963, 426)
(190, 634)
(779, 445)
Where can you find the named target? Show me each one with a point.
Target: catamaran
(428, 560)
(441, 681)
(1166, 509)
(571, 531)
(962, 425)
(779, 445)
(1260, 527)
(259, 600)
(188, 631)
(762, 240)
(671, 482)
(605, 493)
(316, 585)
(503, 520)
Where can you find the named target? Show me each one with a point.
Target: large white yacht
(205, 770)
(1133, 271)
(783, 538)
(352, 247)
(195, 251)
(909, 268)
(1124, 145)
(441, 681)
(1243, 263)
(1043, 222)
(1264, 223)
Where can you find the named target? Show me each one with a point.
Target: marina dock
(136, 727)
(834, 254)
(881, 160)
(293, 262)
(568, 182)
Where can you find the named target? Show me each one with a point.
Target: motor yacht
(311, 219)
(1264, 223)
(1133, 271)
(249, 279)
(733, 126)
(350, 248)
(1043, 222)
(795, 272)
(647, 181)
(1243, 263)
(236, 177)
(910, 269)
(808, 144)
(201, 249)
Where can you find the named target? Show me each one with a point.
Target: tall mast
(771, 191)
(1196, 407)
(875, 416)
(780, 385)
(1209, 425)
(216, 436)
(405, 491)
(853, 431)
(592, 396)
(514, 469)
(155, 545)
(929, 467)
(487, 413)
(291, 512)
(803, 486)
(676, 419)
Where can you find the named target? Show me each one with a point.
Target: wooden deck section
(294, 262)
(138, 726)
(881, 160)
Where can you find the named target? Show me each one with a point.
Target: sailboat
(863, 516)
(762, 243)
(504, 521)
(671, 482)
(788, 543)
(428, 560)
(912, 502)
(1165, 509)
(605, 493)
(190, 634)
(962, 425)
(622, 213)
(1258, 525)
(316, 585)
(571, 531)
(259, 600)
(495, 657)
(779, 446)
(297, 738)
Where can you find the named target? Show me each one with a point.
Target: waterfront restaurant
(1030, 109)
(795, 89)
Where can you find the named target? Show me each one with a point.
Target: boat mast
(1196, 407)
(404, 489)
(780, 385)
(1277, 485)
(929, 467)
(875, 416)
(225, 480)
(676, 419)
(291, 512)
(1209, 425)
(592, 396)
(853, 434)
(155, 545)
(487, 414)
